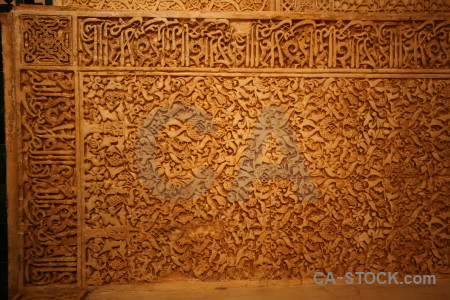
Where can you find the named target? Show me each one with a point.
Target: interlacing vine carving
(364, 6)
(177, 5)
(359, 6)
(376, 151)
(202, 146)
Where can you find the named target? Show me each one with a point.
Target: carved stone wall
(152, 147)
(362, 6)
(358, 152)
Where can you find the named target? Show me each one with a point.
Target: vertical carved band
(49, 183)
(46, 40)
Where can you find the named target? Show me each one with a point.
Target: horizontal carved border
(263, 44)
(364, 6)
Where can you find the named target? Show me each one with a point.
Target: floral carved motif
(193, 145)
(287, 44)
(49, 204)
(363, 6)
(376, 151)
(46, 40)
(177, 5)
(359, 6)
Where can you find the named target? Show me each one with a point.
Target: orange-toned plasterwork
(201, 146)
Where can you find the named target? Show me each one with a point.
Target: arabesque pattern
(357, 6)
(218, 146)
(377, 152)
(49, 203)
(175, 5)
(365, 6)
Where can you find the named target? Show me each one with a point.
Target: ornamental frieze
(262, 44)
(362, 6)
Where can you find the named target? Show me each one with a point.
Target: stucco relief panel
(375, 153)
(248, 172)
